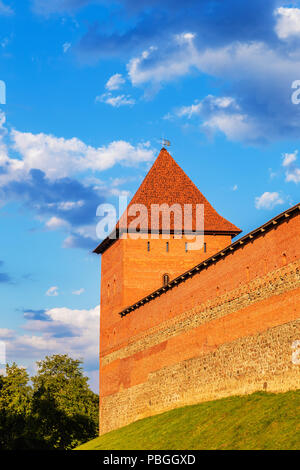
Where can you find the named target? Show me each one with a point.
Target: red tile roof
(167, 183)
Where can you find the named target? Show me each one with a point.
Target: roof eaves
(108, 241)
(249, 237)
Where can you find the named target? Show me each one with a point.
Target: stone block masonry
(227, 330)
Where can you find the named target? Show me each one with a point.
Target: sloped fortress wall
(227, 329)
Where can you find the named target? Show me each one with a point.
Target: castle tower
(201, 336)
(133, 268)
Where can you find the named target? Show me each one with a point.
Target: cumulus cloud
(57, 331)
(293, 175)
(242, 45)
(115, 82)
(288, 22)
(221, 114)
(52, 291)
(152, 22)
(211, 102)
(64, 203)
(58, 157)
(56, 223)
(268, 200)
(49, 176)
(289, 158)
(236, 127)
(292, 171)
(115, 101)
(161, 65)
(76, 240)
(79, 291)
(6, 333)
(263, 93)
(236, 44)
(31, 314)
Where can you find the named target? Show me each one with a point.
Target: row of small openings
(167, 247)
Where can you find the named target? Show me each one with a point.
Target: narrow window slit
(166, 279)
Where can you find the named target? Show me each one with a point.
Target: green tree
(56, 411)
(15, 405)
(64, 409)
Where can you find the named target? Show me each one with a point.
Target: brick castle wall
(227, 330)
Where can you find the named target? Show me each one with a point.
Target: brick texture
(227, 330)
(224, 330)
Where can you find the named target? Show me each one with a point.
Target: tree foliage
(57, 410)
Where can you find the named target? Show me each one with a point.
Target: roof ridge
(167, 183)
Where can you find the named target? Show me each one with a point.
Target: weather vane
(165, 142)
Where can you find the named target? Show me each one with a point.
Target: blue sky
(91, 88)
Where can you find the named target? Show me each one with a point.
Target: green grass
(258, 421)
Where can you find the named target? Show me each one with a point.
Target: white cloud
(292, 171)
(66, 46)
(115, 82)
(249, 67)
(52, 291)
(235, 187)
(3, 129)
(79, 291)
(69, 205)
(87, 231)
(55, 223)
(215, 102)
(236, 61)
(175, 64)
(116, 101)
(185, 38)
(69, 242)
(65, 331)
(190, 111)
(220, 114)
(61, 158)
(235, 126)
(58, 157)
(74, 318)
(268, 200)
(293, 175)
(288, 22)
(5, 333)
(289, 158)
(120, 192)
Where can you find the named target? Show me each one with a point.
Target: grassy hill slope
(258, 421)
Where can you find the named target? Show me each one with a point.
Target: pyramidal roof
(167, 183)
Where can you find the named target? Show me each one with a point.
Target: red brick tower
(133, 268)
